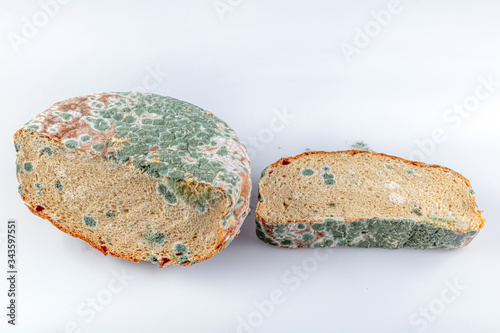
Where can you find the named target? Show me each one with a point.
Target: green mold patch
(326, 169)
(307, 237)
(360, 145)
(183, 259)
(444, 220)
(176, 131)
(280, 228)
(154, 238)
(109, 240)
(32, 127)
(16, 147)
(167, 194)
(153, 258)
(20, 189)
(377, 233)
(194, 193)
(154, 169)
(336, 230)
(98, 147)
(109, 214)
(225, 219)
(307, 172)
(263, 173)
(262, 235)
(201, 208)
(386, 233)
(28, 167)
(323, 243)
(46, 150)
(223, 151)
(39, 188)
(410, 172)
(471, 192)
(89, 221)
(18, 169)
(129, 119)
(85, 138)
(328, 179)
(58, 185)
(301, 226)
(180, 249)
(99, 124)
(71, 143)
(65, 116)
(425, 235)
(318, 226)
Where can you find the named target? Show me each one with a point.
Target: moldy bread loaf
(138, 176)
(364, 199)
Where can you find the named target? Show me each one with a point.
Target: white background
(247, 63)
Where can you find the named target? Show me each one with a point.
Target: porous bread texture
(137, 176)
(364, 199)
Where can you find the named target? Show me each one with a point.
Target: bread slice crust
(360, 231)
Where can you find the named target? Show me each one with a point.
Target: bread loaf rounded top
(157, 135)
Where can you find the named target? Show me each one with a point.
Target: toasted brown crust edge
(286, 160)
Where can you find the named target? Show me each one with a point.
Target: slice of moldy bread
(138, 176)
(364, 199)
